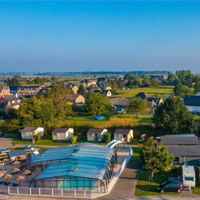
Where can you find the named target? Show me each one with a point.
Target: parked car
(157, 139)
(170, 186)
(19, 135)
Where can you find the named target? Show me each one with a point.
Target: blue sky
(99, 35)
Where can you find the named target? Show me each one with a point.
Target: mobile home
(188, 175)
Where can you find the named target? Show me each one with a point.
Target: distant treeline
(85, 73)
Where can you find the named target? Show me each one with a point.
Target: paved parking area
(125, 186)
(6, 143)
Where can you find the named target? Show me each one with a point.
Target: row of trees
(184, 81)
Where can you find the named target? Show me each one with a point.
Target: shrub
(39, 137)
(10, 128)
(107, 137)
(73, 139)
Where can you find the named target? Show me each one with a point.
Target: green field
(152, 91)
(148, 188)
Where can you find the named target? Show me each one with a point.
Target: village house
(62, 134)
(184, 147)
(192, 103)
(107, 93)
(74, 89)
(119, 104)
(101, 80)
(14, 101)
(29, 132)
(123, 135)
(87, 83)
(4, 90)
(76, 99)
(96, 134)
(142, 95)
(25, 89)
(4, 105)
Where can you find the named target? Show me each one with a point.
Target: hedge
(10, 128)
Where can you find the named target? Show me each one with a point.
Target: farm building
(96, 134)
(81, 166)
(62, 134)
(28, 132)
(124, 135)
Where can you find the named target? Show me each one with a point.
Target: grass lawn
(196, 190)
(148, 188)
(152, 91)
(134, 141)
(116, 120)
(136, 152)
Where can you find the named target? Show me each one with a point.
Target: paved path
(125, 186)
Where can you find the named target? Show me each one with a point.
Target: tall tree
(155, 156)
(13, 81)
(81, 90)
(173, 116)
(182, 90)
(97, 104)
(137, 105)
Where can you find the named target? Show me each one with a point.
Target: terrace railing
(82, 194)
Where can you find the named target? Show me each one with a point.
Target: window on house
(90, 134)
(55, 134)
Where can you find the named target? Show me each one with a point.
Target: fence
(82, 194)
(49, 192)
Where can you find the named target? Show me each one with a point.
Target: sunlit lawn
(147, 188)
(161, 90)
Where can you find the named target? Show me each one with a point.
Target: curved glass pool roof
(83, 160)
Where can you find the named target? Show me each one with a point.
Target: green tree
(81, 90)
(59, 94)
(13, 81)
(36, 111)
(173, 116)
(182, 90)
(97, 104)
(137, 105)
(155, 156)
(197, 87)
(128, 76)
(114, 85)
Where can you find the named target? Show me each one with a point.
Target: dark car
(170, 186)
(19, 135)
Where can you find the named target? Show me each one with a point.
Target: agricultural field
(152, 91)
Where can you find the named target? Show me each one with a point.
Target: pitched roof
(122, 131)
(192, 100)
(119, 101)
(73, 97)
(96, 130)
(156, 100)
(184, 150)
(182, 139)
(3, 102)
(61, 129)
(16, 153)
(142, 95)
(29, 129)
